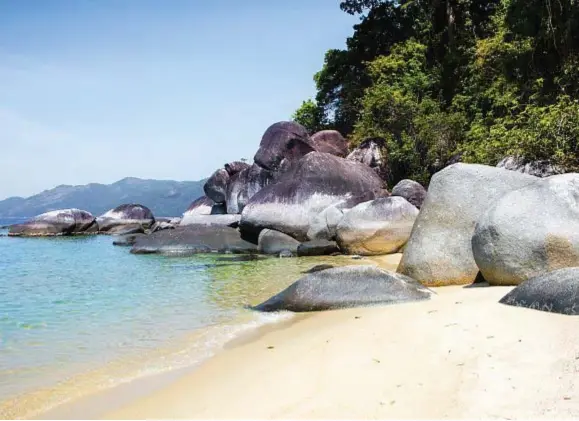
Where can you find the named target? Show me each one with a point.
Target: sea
(78, 315)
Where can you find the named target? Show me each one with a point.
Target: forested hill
(163, 197)
(436, 78)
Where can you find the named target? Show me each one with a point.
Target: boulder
(203, 206)
(330, 141)
(127, 240)
(410, 190)
(317, 248)
(235, 167)
(323, 225)
(381, 226)
(439, 250)
(530, 231)
(541, 168)
(317, 181)
(371, 152)
(127, 229)
(127, 214)
(211, 220)
(193, 239)
(274, 242)
(244, 185)
(162, 225)
(346, 286)
(555, 292)
(282, 144)
(216, 186)
(58, 222)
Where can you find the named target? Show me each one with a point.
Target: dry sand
(460, 355)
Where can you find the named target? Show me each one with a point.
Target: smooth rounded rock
(530, 231)
(317, 181)
(410, 190)
(127, 214)
(378, 227)
(317, 248)
(330, 141)
(554, 292)
(244, 185)
(58, 222)
(439, 251)
(274, 242)
(346, 286)
(215, 187)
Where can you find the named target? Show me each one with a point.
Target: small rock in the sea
(285, 254)
(270, 347)
(375, 360)
(356, 317)
(567, 398)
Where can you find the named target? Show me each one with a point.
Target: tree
(311, 116)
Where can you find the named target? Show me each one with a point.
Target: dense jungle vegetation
(483, 79)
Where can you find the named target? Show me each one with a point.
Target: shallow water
(78, 312)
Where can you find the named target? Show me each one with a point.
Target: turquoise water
(72, 305)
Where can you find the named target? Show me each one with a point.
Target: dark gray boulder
(554, 292)
(282, 144)
(381, 226)
(541, 168)
(215, 187)
(410, 190)
(372, 152)
(318, 268)
(58, 222)
(274, 242)
(530, 231)
(439, 251)
(162, 225)
(127, 214)
(317, 248)
(203, 206)
(244, 185)
(126, 240)
(317, 181)
(330, 141)
(193, 239)
(127, 229)
(347, 286)
(235, 167)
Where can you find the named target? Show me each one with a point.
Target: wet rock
(274, 242)
(58, 222)
(127, 214)
(126, 240)
(317, 248)
(318, 268)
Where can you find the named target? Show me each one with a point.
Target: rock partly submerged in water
(274, 242)
(58, 222)
(317, 181)
(347, 286)
(318, 248)
(378, 227)
(127, 214)
(439, 251)
(193, 239)
(554, 292)
(530, 231)
(127, 240)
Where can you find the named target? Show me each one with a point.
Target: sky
(99, 90)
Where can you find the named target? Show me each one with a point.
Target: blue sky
(98, 90)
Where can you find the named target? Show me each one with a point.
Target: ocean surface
(78, 314)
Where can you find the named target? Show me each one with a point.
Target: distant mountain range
(163, 197)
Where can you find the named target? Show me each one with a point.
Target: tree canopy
(479, 78)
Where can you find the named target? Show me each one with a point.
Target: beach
(459, 355)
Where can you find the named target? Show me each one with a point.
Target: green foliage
(435, 78)
(311, 116)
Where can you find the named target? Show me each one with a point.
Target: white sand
(460, 355)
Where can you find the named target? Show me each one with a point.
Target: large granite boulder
(555, 292)
(235, 167)
(411, 191)
(317, 181)
(193, 239)
(381, 226)
(530, 231)
(215, 187)
(58, 222)
(541, 168)
(244, 185)
(318, 248)
(346, 286)
(282, 144)
(323, 225)
(330, 141)
(372, 152)
(128, 214)
(439, 250)
(274, 242)
(203, 206)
